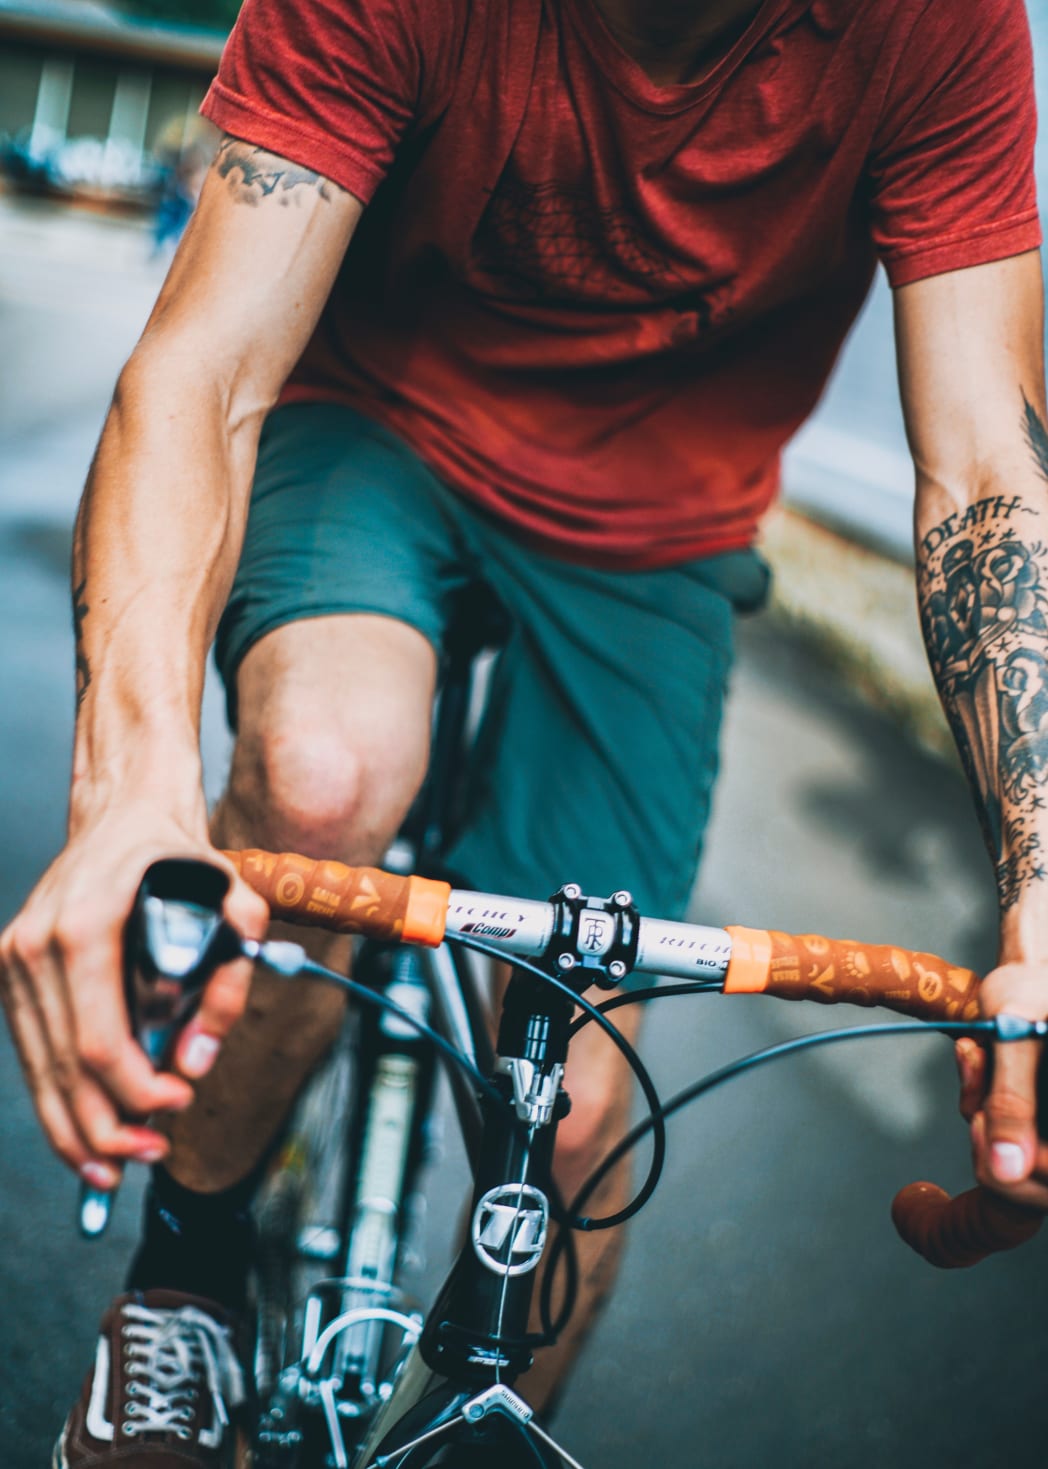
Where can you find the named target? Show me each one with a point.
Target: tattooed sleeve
(983, 586)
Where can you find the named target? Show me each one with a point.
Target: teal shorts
(598, 750)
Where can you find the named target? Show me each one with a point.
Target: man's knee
(334, 736)
(308, 784)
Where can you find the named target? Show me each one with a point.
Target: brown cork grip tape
(949, 1233)
(954, 1233)
(808, 967)
(364, 900)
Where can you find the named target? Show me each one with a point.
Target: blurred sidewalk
(856, 608)
(75, 291)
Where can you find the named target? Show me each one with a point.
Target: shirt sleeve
(334, 85)
(952, 171)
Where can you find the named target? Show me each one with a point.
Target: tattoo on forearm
(1036, 436)
(983, 589)
(254, 175)
(83, 667)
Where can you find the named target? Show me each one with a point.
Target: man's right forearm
(162, 519)
(156, 546)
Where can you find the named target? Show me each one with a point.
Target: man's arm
(972, 376)
(156, 547)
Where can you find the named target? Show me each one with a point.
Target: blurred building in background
(98, 105)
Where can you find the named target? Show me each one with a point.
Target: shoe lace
(169, 1355)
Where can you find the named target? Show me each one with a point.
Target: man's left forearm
(982, 563)
(971, 371)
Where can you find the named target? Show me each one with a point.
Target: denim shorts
(597, 752)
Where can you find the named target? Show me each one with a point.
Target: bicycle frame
(473, 1339)
(457, 1376)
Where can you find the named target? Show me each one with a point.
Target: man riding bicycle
(528, 296)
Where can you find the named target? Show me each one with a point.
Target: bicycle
(447, 1385)
(348, 1372)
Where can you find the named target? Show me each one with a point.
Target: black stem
(656, 1125)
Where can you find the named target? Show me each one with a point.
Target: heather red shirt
(598, 307)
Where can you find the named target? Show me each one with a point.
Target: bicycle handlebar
(383, 905)
(809, 967)
(948, 1233)
(953, 1233)
(343, 899)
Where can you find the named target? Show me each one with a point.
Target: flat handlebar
(947, 1232)
(384, 905)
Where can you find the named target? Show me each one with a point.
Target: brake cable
(759, 1058)
(656, 1127)
(380, 1001)
(658, 1112)
(653, 992)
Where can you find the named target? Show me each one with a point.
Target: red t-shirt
(597, 307)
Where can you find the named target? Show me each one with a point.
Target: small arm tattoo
(254, 175)
(983, 589)
(83, 667)
(1036, 437)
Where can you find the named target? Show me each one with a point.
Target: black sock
(202, 1244)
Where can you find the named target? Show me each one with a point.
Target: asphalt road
(767, 1314)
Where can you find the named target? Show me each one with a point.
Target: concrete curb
(858, 609)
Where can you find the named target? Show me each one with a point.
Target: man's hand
(61, 979)
(999, 1101)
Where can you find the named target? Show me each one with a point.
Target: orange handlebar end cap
(427, 911)
(750, 963)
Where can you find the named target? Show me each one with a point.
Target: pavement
(766, 1312)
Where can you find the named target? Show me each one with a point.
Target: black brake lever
(174, 940)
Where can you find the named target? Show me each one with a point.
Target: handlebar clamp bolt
(617, 969)
(565, 961)
(622, 899)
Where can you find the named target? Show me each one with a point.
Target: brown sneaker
(164, 1383)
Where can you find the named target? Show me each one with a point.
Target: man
(614, 249)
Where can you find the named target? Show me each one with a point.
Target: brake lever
(175, 939)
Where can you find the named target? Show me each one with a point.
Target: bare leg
(333, 743)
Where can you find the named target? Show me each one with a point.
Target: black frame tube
(475, 1333)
